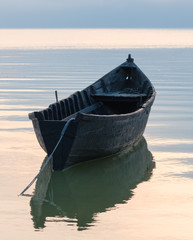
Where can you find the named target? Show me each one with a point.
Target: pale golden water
(95, 38)
(135, 195)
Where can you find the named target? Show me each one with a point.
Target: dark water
(144, 194)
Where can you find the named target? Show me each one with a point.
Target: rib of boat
(101, 120)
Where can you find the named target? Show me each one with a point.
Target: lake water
(139, 195)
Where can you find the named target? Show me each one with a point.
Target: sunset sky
(96, 14)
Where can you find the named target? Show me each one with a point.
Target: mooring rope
(49, 158)
(58, 208)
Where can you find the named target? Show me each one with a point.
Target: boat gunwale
(115, 116)
(108, 116)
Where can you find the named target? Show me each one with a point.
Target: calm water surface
(143, 194)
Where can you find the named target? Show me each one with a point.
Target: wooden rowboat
(101, 120)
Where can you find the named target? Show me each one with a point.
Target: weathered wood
(110, 115)
(117, 96)
(88, 109)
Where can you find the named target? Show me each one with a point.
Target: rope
(58, 208)
(49, 158)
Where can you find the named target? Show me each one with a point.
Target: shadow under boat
(77, 194)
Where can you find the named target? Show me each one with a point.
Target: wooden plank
(123, 95)
(118, 96)
(84, 110)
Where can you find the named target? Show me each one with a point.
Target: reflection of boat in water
(80, 192)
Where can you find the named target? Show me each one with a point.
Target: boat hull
(102, 119)
(92, 136)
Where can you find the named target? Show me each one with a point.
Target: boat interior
(124, 90)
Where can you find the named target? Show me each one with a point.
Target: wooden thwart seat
(84, 110)
(117, 96)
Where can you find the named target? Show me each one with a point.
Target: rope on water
(49, 158)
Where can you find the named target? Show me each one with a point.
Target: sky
(96, 13)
